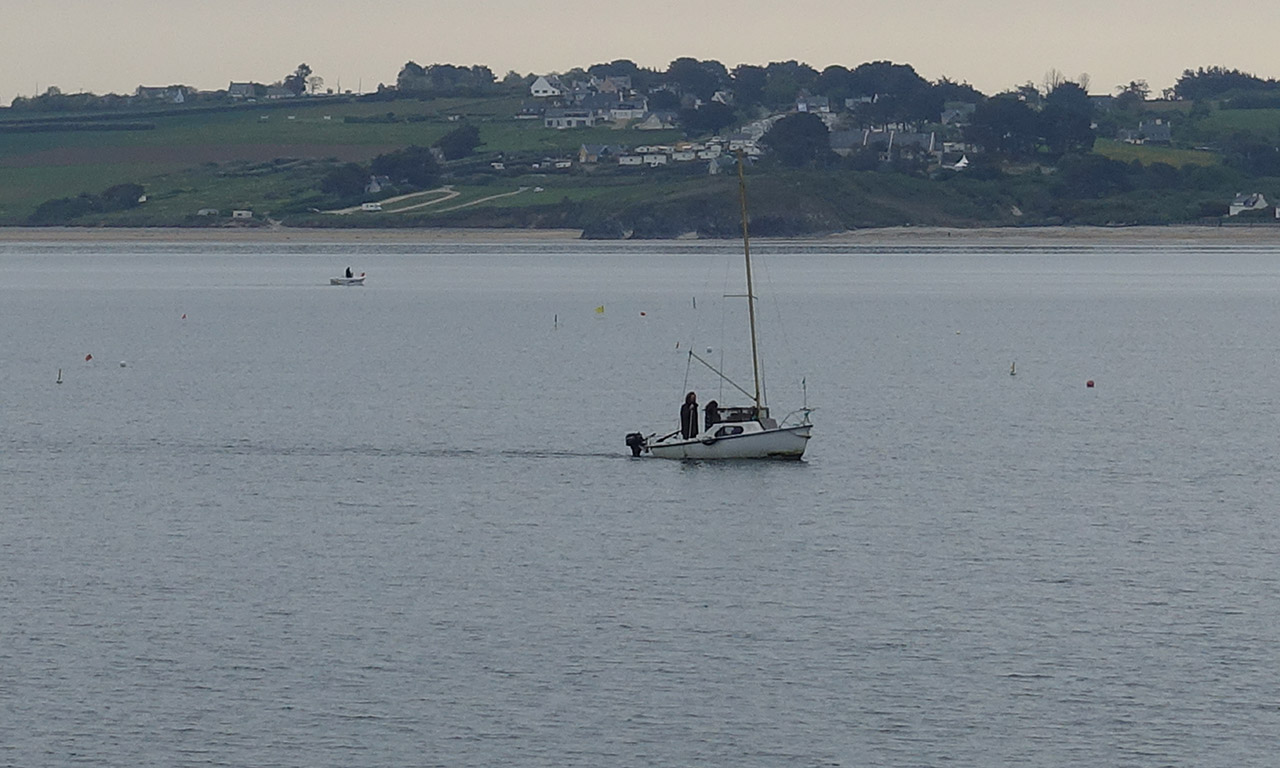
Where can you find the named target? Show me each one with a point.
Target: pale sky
(116, 45)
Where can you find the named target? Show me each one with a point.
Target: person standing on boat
(712, 412)
(689, 416)
(349, 272)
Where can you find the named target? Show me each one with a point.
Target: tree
(1214, 82)
(1093, 176)
(121, 197)
(700, 78)
(460, 142)
(799, 140)
(1132, 95)
(1066, 120)
(412, 165)
(709, 118)
(345, 181)
(748, 83)
(1005, 124)
(297, 82)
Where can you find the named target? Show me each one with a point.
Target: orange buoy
(87, 358)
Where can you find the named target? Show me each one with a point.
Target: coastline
(1184, 234)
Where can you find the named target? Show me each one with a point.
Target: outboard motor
(636, 442)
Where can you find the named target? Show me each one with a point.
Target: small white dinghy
(348, 280)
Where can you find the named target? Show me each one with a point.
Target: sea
(267, 521)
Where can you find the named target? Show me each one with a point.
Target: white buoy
(122, 365)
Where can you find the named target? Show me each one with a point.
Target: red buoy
(1089, 383)
(87, 358)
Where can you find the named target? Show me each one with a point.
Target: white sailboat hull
(779, 443)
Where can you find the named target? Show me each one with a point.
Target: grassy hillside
(271, 158)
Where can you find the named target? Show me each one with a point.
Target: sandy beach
(898, 236)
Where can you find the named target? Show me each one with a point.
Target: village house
(242, 90)
(807, 103)
(574, 117)
(546, 86)
(1251, 201)
(620, 84)
(629, 109)
(173, 94)
(957, 113)
(596, 153)
(657, 121)
(531, 110)
(1156, 131)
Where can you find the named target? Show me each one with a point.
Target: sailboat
(739, 432)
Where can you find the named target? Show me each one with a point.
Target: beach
(1208, 235)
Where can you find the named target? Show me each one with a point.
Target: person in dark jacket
(712, 414)
(689, 416)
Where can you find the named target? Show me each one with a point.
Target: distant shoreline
(1227, 235)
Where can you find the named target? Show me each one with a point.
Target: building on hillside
(172, 94)
(1247, 201)
(571, 117)
(957, 113)
(531, 110)
(845, 143)
(657, 121)
(629, 109)
(596, 153)
(546, 87)
(807, 103)
(242, 90)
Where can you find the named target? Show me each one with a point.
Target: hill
(273, 159)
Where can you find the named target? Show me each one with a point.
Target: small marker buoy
(642, 314)
(59, 381)
(184, 315)
(1013, 369)
(122, 365)
(87, 358)
(1089, 383)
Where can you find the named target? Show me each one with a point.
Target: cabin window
(726, 431)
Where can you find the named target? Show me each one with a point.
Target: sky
(116, 45)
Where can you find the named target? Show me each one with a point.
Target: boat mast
(751, 294)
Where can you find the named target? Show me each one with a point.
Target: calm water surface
(397, 525)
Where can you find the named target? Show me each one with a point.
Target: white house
(1247, 202)
(546, 87)
(242, 214)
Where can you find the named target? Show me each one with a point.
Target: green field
(272, 158)
(1148, 154)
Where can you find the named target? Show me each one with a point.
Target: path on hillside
(448, 189)
(484, 200)
(449, 194)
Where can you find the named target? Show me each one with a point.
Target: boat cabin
(732, 413)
